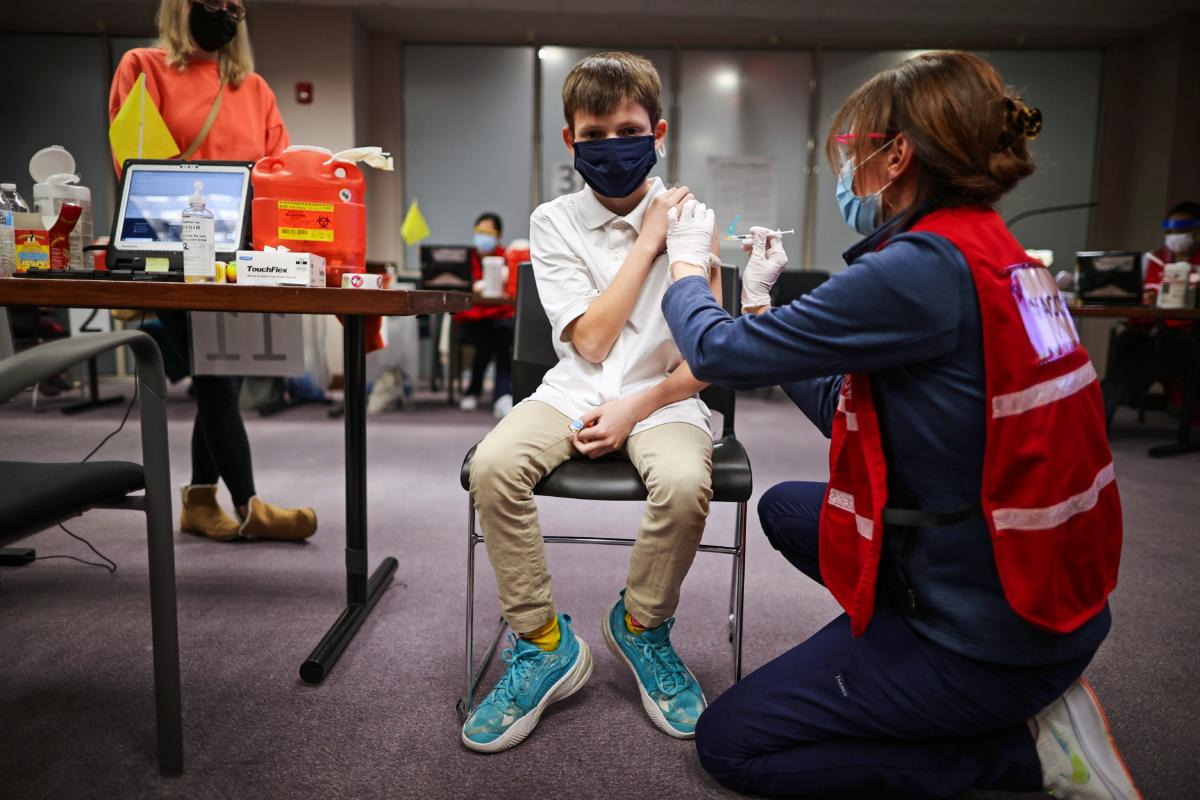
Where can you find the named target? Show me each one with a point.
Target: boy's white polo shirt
(577, 246)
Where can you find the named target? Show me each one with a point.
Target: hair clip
(1031, 122)
(1020, 120)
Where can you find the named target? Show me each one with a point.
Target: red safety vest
(1048, 492)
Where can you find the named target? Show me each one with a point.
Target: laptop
(146, 241)
(446, 266)
(1110, 277)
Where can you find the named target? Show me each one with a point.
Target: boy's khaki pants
(675, 462)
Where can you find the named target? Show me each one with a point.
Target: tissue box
(275, 268)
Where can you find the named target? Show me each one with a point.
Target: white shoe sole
(652, 709)
(1095, 739)
(564, 687)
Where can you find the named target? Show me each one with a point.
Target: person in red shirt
(203, 50)
(1140, 353)
(489, 329)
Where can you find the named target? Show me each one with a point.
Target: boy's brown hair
(599, 83)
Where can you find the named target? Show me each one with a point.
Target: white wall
(384, 72)
(468, 118)
(317, 44)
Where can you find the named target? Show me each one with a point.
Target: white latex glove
(690, 235)
(767, 261)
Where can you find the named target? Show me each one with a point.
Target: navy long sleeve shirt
(907, 314)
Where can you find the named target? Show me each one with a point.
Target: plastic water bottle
(199, 246)
(10, 203)
(10, 193)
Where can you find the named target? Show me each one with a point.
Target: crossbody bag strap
(207, 126)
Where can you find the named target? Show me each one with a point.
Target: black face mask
(211, 30)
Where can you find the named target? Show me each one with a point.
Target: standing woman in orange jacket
(202, 54)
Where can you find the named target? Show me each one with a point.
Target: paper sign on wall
(743, 185)
(236, 343)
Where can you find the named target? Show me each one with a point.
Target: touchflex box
(279, 268)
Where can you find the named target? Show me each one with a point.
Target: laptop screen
(156, 195)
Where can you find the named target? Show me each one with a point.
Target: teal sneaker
(1080, 760)
(670, 692)
(534, 679)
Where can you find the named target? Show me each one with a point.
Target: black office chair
(35, 496)
(609, 478)
(794, 284)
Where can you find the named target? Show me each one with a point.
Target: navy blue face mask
(615, 167)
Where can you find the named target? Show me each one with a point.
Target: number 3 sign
(235, 343)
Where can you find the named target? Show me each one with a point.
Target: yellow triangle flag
(138, 130)
(414, 228)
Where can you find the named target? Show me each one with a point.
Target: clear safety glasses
(233, 8)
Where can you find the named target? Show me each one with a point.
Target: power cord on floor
(128, 408)
(110, 565)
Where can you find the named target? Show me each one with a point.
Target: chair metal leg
(733, 574)
(739, 592)
(165, 637)
(468, 698)
(466, 703)
(160, 528)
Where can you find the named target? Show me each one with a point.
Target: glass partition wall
(484, 132)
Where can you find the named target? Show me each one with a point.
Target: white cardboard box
(274, 268)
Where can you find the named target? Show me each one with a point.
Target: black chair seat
(35, 495)
(614, 478)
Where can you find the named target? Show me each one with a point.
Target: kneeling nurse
(971, 526)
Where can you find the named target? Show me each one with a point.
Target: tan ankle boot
(202, 515)
(265, 521)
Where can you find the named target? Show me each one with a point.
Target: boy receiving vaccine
(620, 386)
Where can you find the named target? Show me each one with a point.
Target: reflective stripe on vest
(851, 417)
(1007, 405)
(845, 501)
(1038, 519)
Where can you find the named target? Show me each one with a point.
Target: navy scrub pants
(889, 714)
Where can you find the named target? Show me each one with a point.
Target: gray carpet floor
(76, 711)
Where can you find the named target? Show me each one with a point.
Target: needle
(742, 237)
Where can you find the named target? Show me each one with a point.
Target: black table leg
(1183, 442)
(94, 400)
(362, 593)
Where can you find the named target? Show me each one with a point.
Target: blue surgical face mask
(862, 214)
(486, 242)
(615, 167)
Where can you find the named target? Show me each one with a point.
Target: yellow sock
(546, 637)
(632, 625)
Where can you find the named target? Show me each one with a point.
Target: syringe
(745, 237)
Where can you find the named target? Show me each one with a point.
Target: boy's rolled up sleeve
(563, 283)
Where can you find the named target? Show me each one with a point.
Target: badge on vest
(1047, 320)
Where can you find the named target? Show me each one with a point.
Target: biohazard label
(303, 221)
(306, 234)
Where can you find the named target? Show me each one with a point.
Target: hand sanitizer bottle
(199, 247)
